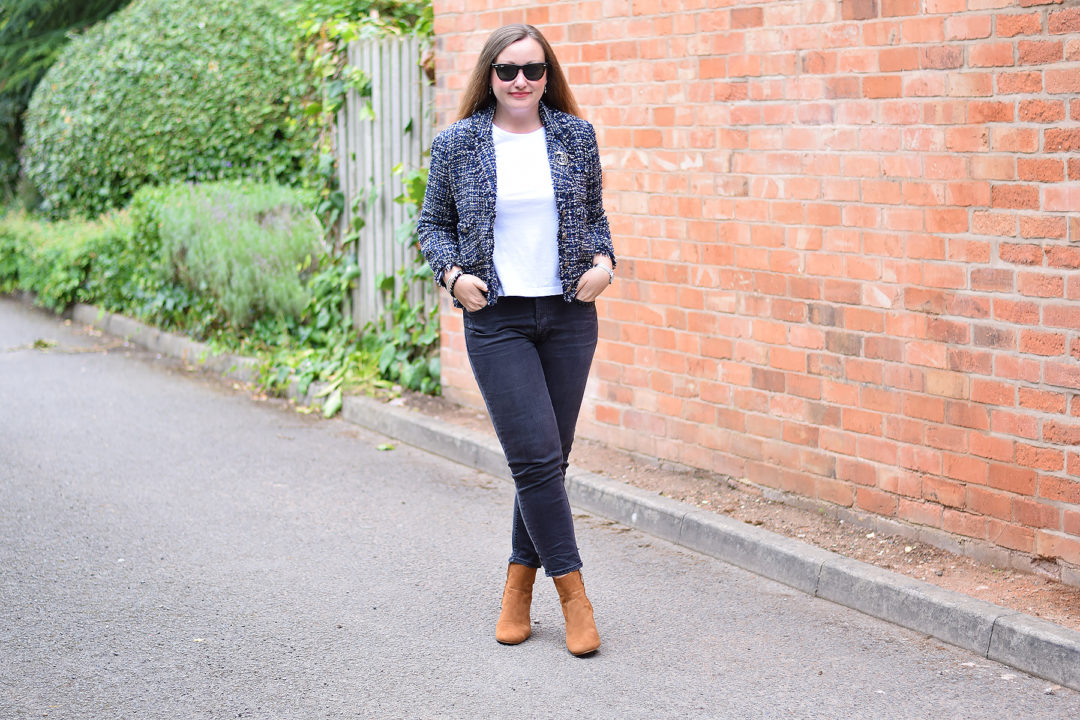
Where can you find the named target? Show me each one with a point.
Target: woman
(513, 226)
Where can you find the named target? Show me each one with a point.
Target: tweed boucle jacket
(457, 220)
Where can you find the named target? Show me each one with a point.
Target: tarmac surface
(170, 548)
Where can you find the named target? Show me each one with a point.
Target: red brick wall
(849, 235)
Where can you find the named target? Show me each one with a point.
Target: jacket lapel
(485, 147)
(558, 158)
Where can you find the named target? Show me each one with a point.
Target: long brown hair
(478, 90)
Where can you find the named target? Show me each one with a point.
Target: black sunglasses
(507, 72)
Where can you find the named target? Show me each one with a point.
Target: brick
(1060, 489)
(1062, 197)
(1039, 52)
(876, 501)
(1046, 459)
(1047, 286)
(1064, 21)
(1072, 52)
(1014, 537)
(993, 279)
(966, 468)
(1061, 433)
(1039, 170)
(1064, 257)
(925, 29)
(991, 392)
(942, 57)
(920, 459)
(996, 55)
(1071, 522)
(984, 111)
(963, 523)
(858, 9)
(1012, 478)
(920, 513)
(1062, 374)
(1041, 400)
(994, 336)
(985, 501)
(899, 59)
(991, 448)
(1012, 83)
(967, 415)
(898, 8)
(1054, 545)
(1037, 342)
(1021, 254)
(967, 139)
(1020, 313)
(968, 27)
(1062, 81)
(971, 84)
(1014, 139)
(1020, 24)
(882, 86)
(1042, 111)
(1020, 197)
(1062, 316)
(1061, 140)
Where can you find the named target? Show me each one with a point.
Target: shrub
(246, 246)
(165, 91)
(64, 262)
(32, 33)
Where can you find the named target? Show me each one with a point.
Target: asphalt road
(171, 547)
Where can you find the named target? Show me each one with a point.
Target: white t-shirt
(526, 219)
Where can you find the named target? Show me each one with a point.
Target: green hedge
(32, 34)
(66, 262)
(162, 91)
(201, 259)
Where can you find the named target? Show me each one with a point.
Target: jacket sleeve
(599, 234)
(436, 227)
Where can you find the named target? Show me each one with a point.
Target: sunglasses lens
(506, 73)
(534, 71)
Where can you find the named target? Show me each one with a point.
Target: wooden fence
(369, 144)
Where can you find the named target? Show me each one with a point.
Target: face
(519, 96)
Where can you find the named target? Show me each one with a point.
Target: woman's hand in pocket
(471, 292)
(592, 283)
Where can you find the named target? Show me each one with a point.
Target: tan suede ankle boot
(514, 626)
(581, 635)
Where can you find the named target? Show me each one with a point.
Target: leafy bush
(32, 33)
(164, 91)
(247, 246)
(64, 262)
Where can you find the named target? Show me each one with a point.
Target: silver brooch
(561, 158)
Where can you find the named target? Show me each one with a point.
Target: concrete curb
(1021, 641)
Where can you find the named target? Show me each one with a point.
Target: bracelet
(444, 272)
(609, 271)
(453, 280)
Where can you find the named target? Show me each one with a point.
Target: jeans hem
(560, 573)
(516, 561)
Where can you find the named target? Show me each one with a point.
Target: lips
(520, 95)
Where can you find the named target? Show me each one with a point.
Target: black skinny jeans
(531, 359)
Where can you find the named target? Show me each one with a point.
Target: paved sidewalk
(1022, 641)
